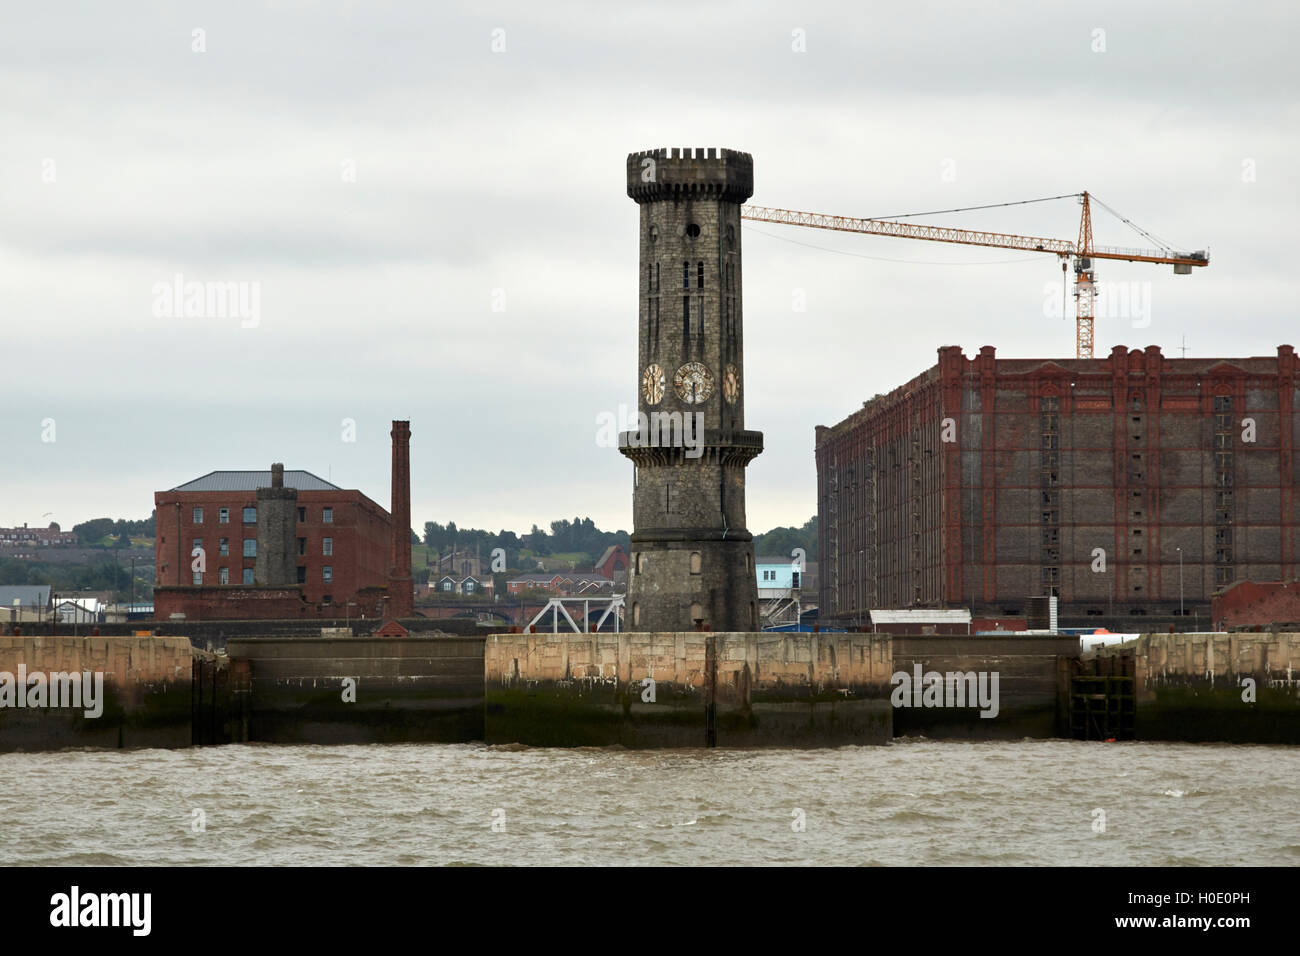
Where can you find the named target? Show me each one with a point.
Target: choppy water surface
(913, 802)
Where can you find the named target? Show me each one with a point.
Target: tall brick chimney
(401, 602)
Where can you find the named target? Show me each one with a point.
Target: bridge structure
(555, 607)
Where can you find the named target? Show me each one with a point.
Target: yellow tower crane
(1081, 252)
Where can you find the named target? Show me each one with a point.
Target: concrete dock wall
(1031, 684)
(687, 689)
(146, 692)
(403, 689)
(1190, 686)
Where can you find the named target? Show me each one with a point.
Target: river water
(912, 802)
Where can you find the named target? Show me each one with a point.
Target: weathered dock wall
(1032, 682)
(1193, 687)
(146, 692)
(329, 690)
(212, 635)
(687, 689)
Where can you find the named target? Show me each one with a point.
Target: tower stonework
(692, 558)
(277, 515)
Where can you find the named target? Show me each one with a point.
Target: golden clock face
(652, 384)
(731, 384)
(694, 383)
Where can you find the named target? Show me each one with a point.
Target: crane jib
(971, 237)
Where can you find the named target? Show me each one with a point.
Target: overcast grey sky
(126, 157)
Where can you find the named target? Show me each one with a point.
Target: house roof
(609, 553)
(252, 480)
(28, 595)
(574, 576)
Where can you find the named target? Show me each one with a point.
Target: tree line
(581, 537)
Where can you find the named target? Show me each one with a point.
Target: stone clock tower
(692, 558)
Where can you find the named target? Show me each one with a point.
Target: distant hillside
(109, 532)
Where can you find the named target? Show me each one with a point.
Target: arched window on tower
(656, 277)
(699, 274)
(686, 275)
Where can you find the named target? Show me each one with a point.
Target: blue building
(776, 572)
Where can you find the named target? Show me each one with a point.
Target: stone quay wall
(687, 689)
(146, 692)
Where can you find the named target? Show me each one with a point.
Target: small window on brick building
(248, 575)
(198, 578)
(327, 574)
(327, 515)
(302, 515)
(302, 574)
(198, 543)
(250, 547)
(223, 547)
(250, 516)
(223, 516)
(302, 546)
(327, 546)
(198, 516)
(223, 575)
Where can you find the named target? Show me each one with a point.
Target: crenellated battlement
(682, 172)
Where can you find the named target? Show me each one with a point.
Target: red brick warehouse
(984, 481)
(343, 555)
